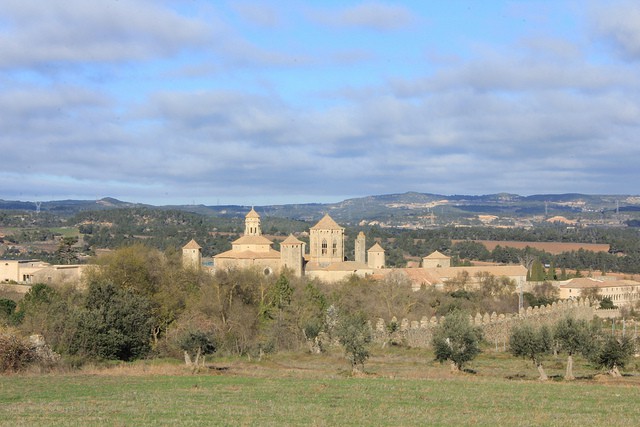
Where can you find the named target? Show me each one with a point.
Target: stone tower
(192, 255)
(326, 242)
(376, 256)
(361, 248)
(292, 255)
(252, 224)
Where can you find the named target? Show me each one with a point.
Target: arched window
(324, 246)
(335, 248)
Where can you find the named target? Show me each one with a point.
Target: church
(325, 260)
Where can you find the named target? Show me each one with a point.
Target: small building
(436, 260)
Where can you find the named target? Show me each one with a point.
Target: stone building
(325, 260)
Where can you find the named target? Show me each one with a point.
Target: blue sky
(268, 102)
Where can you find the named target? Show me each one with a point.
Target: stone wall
(496, 328)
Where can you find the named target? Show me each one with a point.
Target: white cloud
(619, 23)
(63, 32)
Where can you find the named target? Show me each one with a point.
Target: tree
(66, 253)
(354, 334)
(456, 340)
(573, 336)
(7, 308)
(613, 353)
(114, 323)
(531, 343)
(538, 273)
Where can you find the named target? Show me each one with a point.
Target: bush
(16, 353)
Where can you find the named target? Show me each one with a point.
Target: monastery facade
(325, 260)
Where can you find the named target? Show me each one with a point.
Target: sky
(273, 102)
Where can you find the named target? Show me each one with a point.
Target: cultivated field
(401, 387)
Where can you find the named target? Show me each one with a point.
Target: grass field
(400, 388)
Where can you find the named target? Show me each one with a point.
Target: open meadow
(401, 387)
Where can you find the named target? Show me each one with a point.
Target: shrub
(15, 353)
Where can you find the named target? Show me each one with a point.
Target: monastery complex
(325, 258)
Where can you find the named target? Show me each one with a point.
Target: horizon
(242, 103)
(332, 201)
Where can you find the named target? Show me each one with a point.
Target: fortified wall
(496, 328)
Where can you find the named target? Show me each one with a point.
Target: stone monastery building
(325, 260)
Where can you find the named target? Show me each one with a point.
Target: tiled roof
(192, 245)
(291, 240)
(252, 240)
(327, 223)
(376, 248)
(436, 255)
(496, 270)
(589, 282)
(272, 254)
(252, 214)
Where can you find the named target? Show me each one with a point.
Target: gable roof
(436, 255)
(376, 248)
(192, 245)
(327, 223)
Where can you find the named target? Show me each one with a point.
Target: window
(335, 248)
(324, 246)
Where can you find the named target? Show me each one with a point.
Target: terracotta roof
(589, 282)
(272, 254)
(436, 255)
(252, 240)
(420, 275)
(496, 270)
(327, 223)
(252, 214)
(291, 240)
(192, 245)
(376, 248)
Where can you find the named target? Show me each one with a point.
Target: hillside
(409, 210)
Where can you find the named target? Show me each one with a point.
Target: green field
(399, 389)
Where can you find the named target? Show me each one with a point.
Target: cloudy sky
(267, 102)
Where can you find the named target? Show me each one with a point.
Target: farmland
(401, 387)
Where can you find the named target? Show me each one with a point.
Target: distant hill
(384, 208)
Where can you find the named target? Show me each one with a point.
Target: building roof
(420, 275)
(376, 248)
(436, 255)
(291, 240)
(192, 245)
(590, 282)
(252, 214)
(327, 223)
(271, 254)
(252, 240)
(496, 270)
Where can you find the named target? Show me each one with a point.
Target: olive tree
(613, 353)
(573, 336)
(531, 343)
(456, 340)
(354, 333)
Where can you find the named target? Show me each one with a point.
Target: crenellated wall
(496, 328)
